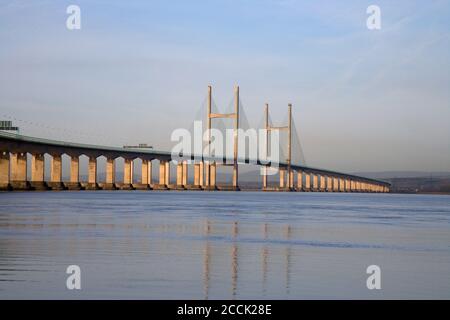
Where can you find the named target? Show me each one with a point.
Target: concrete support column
(335, 184)
(207, 174)
(264, 182)
(56, 168)
(291, 179)
(185, 173)
(150, 173)
(110, 171)
(341, 185)
(329, 184)
(74, 169)
(212, 177)
(282, 173)
(202, 174)
(197, 174)
(322, 183)
(299, 180)
(307, 186)
(145, 172)
(37, 168)
(162, 172)
(179, 174)
(315, 182)
(127, 171)
(167, 173)
(347, 185)
(4, 170)
(18, 163)
(92, 170)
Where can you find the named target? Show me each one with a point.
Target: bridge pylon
(286, 174)
(211, 167)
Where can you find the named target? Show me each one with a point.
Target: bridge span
(17, 150)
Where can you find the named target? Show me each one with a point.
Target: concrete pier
(56, 173)
(315, 182)
(322, 183)
(307, 186)
(74, 179)
(110, 175)
(92, 174)
(18, 164)
(299, 181)
(4, 171)
(37, 172)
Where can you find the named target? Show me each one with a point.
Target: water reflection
(176, 246)
(234, 257)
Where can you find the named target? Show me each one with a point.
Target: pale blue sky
(363, 100)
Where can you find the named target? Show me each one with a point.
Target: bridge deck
(19, 143)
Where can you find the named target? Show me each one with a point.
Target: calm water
(210, 245)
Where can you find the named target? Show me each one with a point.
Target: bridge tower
(288, 181)
(210, 175)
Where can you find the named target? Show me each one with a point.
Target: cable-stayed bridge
(22, 162)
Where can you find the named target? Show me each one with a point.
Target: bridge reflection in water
(234, 258)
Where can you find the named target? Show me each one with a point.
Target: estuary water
(223, 245)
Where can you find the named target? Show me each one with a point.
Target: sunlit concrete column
(110, 171)
(335, 184)
(37, 172)
(162, 173)
(179, 174)
(322, 182)
(18, 163)
(37, 168)
(307, 186)
(347, 185)
(92, 170)
(207, 174)
(212, 177)
(55, 168)
(315, 182)
(56, 172)
(167, 173)
(202, 174)
(4, 170)
(329, 184)
(341, 185)
(291, 179)
(197, 174)
(127, 171)
(264, 176)
(299, 180)
(282, 174)
(74, 169)
(185, 173)
(146, 172)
